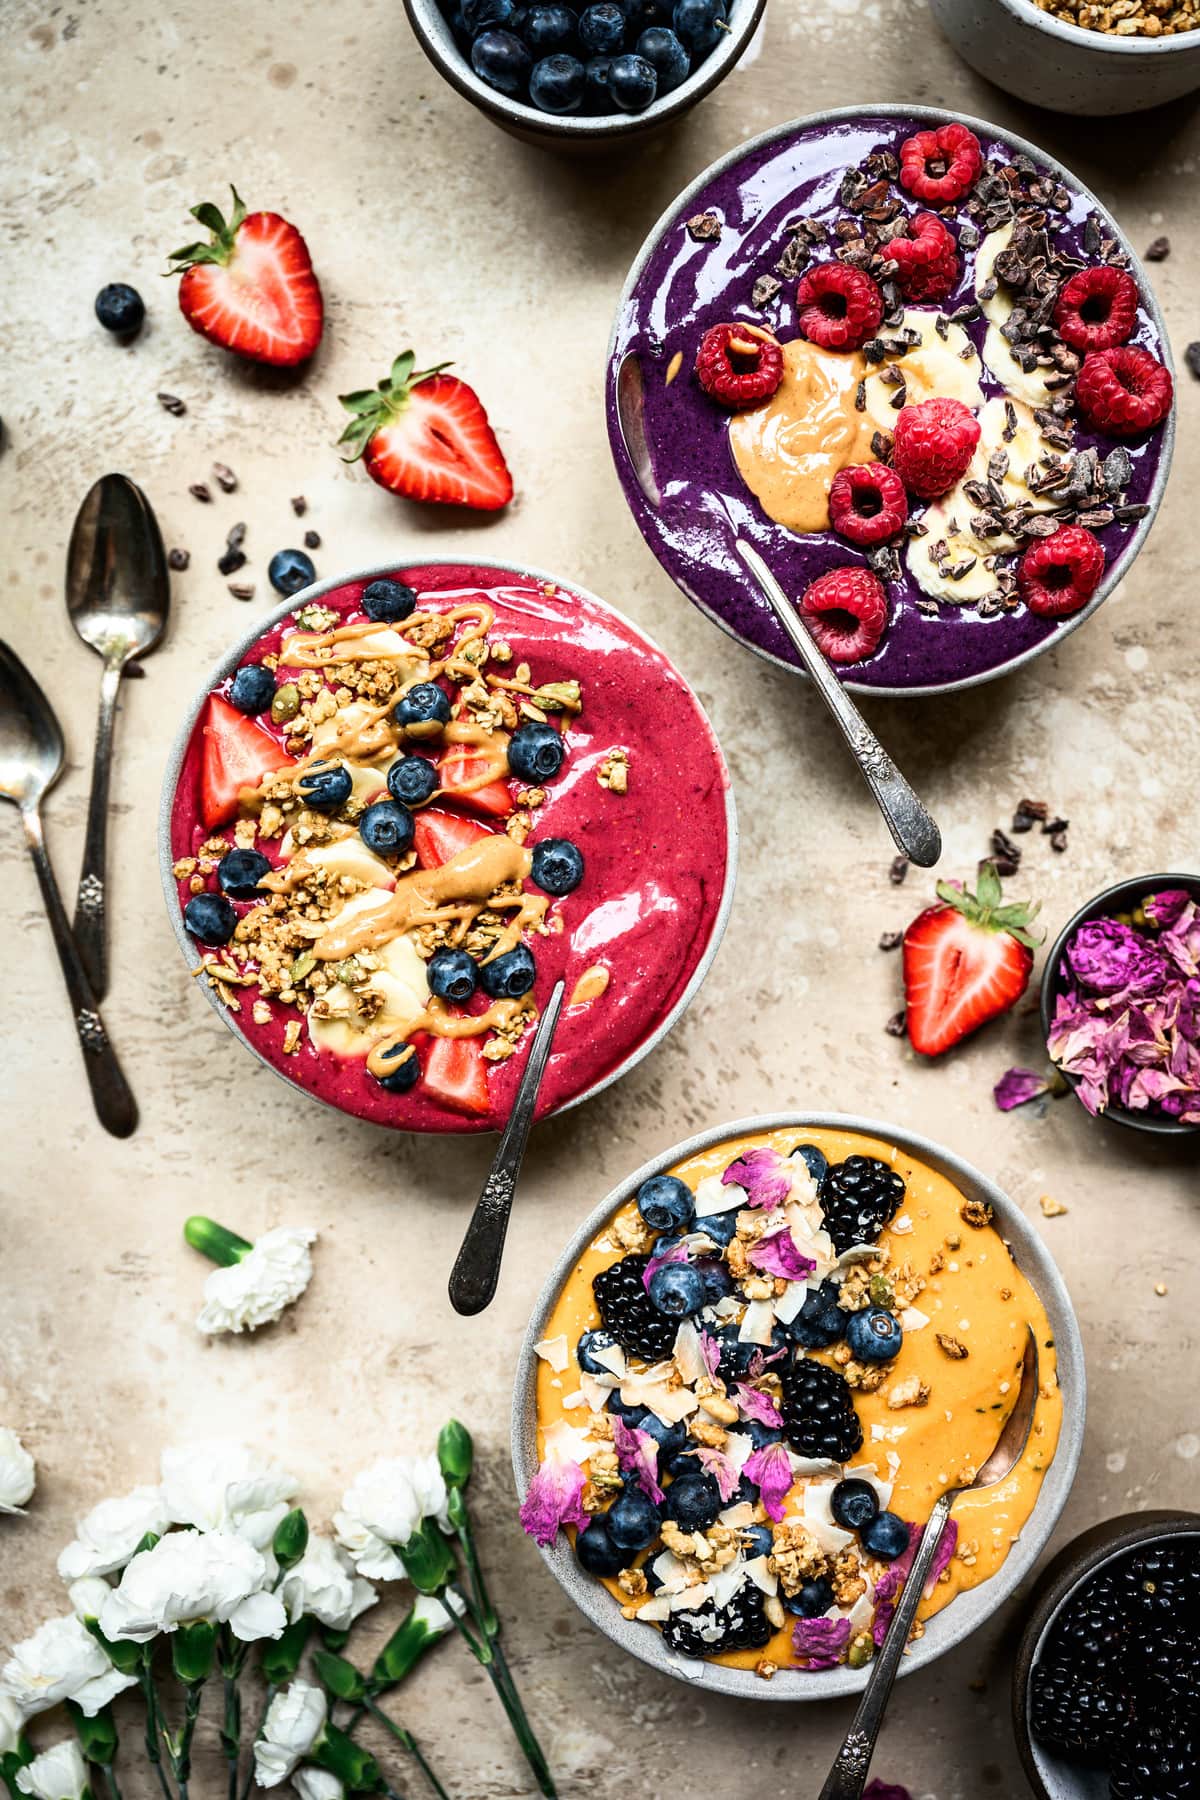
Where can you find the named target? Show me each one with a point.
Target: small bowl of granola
(1093, 57)
(749, 1375)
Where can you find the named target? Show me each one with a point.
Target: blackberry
(1163, 1674)
(1093, 1634)
(1081, 1717)
(1164, 1764)
(708, 1630)
(858, 1198)
(1158, 1588)
(625, 1310)
(818, 1412)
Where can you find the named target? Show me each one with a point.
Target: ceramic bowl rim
(1101, 905)
(228, 662)
(1029, 14)
(971, 1608)
(635, 501)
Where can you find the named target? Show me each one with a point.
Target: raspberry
(737, 366)
(1096, 308)
(840, 307)
(1059, 574)
(1123, 391)
(927, 261)
(933, 446)
(940, 165)
(867, 503)
(845, 611)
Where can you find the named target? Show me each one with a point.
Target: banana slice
(934, 367)
(344, 1027)
(1024, 384)
(347, 856)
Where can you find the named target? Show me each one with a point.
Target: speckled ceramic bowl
(1061, 66)
(1053, 1777)
(965, 1614)
(1122, 897)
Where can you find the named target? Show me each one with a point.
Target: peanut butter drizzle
(314, 649)
(465, 884)
(789, 449)
(591, 984)
(500, 1015)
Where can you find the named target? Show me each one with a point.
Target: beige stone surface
(428, 227)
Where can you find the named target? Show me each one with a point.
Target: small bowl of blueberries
(575, 75)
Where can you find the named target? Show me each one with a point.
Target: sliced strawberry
(456, 1074)
(252, 288)
(426, 436)
(236, 754)
(461, 766)
(965, 962)
(440, 835)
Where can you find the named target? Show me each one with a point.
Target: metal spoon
(118, 594)
(31, 759)
(848, 1777)
(477, 1267)
(913, 830)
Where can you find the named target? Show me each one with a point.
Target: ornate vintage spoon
(477, 1267)
(117, 598)
(31, 759)
(848, 1777)
(913, 830)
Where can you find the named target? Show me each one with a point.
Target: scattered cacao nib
(897, 1025)
(884, 560)
(881, 447)
(704, 227)
(898, 870)
(1056, 831)
(930, 608)
(299, 505)
(1005, 854)
(794, 259)
(1159, 250)
(968, 237)
(1092, 235)
(1117, 471)
(860, 397)
(178, 559)
(765, 290)
(1096, 518)
(1028, 813)
(230, 561)
(312, 540)
(1010, 422)
(173, 404)
(997, 465)
(891, 940)
(899, 398)
(242, 590)
(134, 670)
(224, 477)
(1058, 840)
(235, 537)
(1125, 515)
(1191, 357)
(200, 492)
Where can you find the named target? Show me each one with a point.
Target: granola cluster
(1126, 18)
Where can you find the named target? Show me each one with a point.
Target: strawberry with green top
(424, 434)
(966, 960)
(251, 289)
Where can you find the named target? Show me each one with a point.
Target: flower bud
(192, 1648)
(339, 1676)
(348, 1761)
(281, 1658)
(214, 1241)
(456, 1453)
(428, 1559)
(291, 1539)
(97, 1736)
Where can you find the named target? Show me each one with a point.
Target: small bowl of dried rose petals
(1121, 1004)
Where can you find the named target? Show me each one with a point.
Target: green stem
(181, 1761)
(153, 1726)
(487, 1613)
(231, 1724)
(214, 1241)
(110, 1782)
(410, 1744)
(271, 1692)
(498, 1673)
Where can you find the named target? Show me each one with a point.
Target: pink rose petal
(764, 1174)
(637, 1451)
(821, 1641)
(778, 1255)
(554, 1500)
(771, 1469)
(717, 1464)
(1016, 1087)
(886, 1790)
(757, 1405)
(887, 1588)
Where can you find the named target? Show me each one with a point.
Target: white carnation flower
(87, 1596)
(224, 1486)
(324, 1584)
(256, 1290)
(293, 1725)
(61, 1661)
(192, 1575)
(385, 1506)
(12, 1723)
(107, 1538)
(18, 1472)
(312, 1783)
(57, 1774)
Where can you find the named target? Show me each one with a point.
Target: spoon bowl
(31, 741)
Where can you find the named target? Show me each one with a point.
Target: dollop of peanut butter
(789, 449)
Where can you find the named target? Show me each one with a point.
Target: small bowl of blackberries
(1106, 1690)
(591, 70)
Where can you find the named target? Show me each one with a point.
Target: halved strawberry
(440, 835)
(426, 436)
(236, 754)
(456, 1074)
(965, 962)
(459, 767)
(252, 288)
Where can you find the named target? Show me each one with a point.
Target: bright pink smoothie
(657, 855)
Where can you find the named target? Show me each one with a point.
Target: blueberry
(854, 1504)
(406, 1073)
(664, 1245)
(814, 1599)
(666, 1203)
(679, 1462)
(325, 786)
(737, 1357)
(761, 1435)
(508, 976)
(820, 1321)
(240, 871)
(252, 689)
(425, 704)
(633, 1521)
(659, 46)
(595, 1551)
(557, 82)
(816, 1162)
(386, 828)
(720, 1227)
(486, 15)
(387, 601)
(602, 28)
(632, 82)
(290, 570)
(501, 60)
(536, 752)
(745, 1493)
(874, 1335)
(632, 1415)
(693, 1501)
(588, 1345)
(596, 96)
(760, 1540)
(671, 1439)
(120, 308)
(452, 975)
(411, 780)
(718, 1282)
(550, 28)
(677, 1290)
(210, 917)
(886, 1537)
(698, 24)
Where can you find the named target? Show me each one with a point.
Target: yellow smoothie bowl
(965, 1278)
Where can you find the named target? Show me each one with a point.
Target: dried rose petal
(778, 1255)
(637, 1451)
(1016, 1087)
(757, 1405)
(764, 1174)
(821, 1641)
(771, 1469)
(554, 1500)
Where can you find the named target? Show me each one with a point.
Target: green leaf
(239, 210)
(339, 1676)
(281, 1656)
(988, 890)
(291, 1539)
(456, 1453)
(97, 1736)
(403, 1650)
(362, 400)
(210, 216)
(215, 1241)
(402, 368)
(190, 253)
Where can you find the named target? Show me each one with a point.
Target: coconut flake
(820, 1520)
(757, 1324)
(657, 1609)
(902, 1225)
(612, 1359)
(564, 1442)
(913, 1319)
(758, 1570)
(818, 1468)
(595, 1390)
(739, 1517)
(790, 1301)
(689, 1354)
(726, 1582)
(716, 1196)
(554, 1351)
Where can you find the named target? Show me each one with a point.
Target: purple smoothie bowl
(678, 287)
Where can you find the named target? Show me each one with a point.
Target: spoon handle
(848, 1776)
(91, 911)
(477, 1267)
(913, 829)
(115, 1106)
